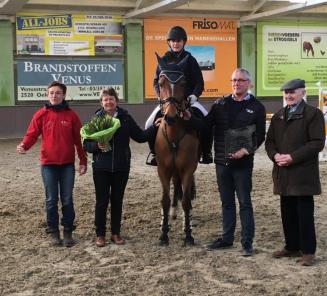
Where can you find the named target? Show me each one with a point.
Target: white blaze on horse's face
(172, 97)
(166, 88)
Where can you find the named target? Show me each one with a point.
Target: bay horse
(176, 146)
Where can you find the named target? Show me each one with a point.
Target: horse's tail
(178, 192)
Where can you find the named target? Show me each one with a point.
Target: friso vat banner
(212, 41)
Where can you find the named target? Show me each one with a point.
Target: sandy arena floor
(28, 266)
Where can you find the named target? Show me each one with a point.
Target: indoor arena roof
(244, 10)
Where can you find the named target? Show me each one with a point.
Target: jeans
(298, 223)
(239, 180)
(59, 179)
(109, 187)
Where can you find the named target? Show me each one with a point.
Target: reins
(173, 77)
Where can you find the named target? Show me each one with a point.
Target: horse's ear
(161, 63)
(183, 62)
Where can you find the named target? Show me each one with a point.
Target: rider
(176, 40)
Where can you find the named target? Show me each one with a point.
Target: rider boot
(206, 140)
(151, 159)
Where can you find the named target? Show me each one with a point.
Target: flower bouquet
(100, 128)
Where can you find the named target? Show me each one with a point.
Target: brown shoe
(100, 241)
(307, 260)
(285, 253)
(115, 238)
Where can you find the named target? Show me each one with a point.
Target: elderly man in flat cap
(295, 137)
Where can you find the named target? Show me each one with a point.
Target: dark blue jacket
(118, 159)
(192, 72)
(227, 113)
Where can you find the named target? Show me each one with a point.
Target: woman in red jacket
(59, 127)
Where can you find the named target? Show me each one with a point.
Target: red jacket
(60, 130)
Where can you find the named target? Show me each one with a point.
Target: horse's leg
(177, 196)
(165, 205)
(187, 207)
(193, 189)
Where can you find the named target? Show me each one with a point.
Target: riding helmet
(176, 33)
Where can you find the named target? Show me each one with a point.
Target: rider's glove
(192, 99)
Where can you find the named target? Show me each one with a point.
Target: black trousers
(298, 223)
(109, 187)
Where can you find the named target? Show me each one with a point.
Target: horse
(177, 147)
(307, 47)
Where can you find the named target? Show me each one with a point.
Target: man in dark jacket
(239, 121)
(295, 137)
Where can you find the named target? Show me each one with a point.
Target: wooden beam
(81, 3)
(229, 6)
(11, 6)
(258, 5)
(283, 11)
(138, 4)
(155, 8)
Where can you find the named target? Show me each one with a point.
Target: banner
(288, 50)
(84, 78)
(212, 41)
(69, 34)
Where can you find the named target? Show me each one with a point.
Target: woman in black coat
(111, 169)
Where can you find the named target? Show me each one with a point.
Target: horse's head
(172, 84)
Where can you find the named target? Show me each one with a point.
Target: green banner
(288, 50)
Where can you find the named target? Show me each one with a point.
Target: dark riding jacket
(118, 159)
(227, 113)
(192, 72)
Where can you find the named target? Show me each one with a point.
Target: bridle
(173, 77)
(180, 104)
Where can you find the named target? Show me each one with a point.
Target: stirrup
(206, 158)
(151, 159)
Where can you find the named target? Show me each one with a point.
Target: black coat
(227, 113)
(118, 159)
(302, 136)
(192, 72)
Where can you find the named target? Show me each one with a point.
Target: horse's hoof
(163, 240)
(188, 241)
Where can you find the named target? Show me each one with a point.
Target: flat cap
(293, 84)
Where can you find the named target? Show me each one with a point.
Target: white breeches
(151, 118)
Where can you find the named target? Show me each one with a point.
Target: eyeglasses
(239, 80)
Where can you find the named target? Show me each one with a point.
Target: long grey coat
(302, 135)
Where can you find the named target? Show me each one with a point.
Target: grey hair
(245, 72)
